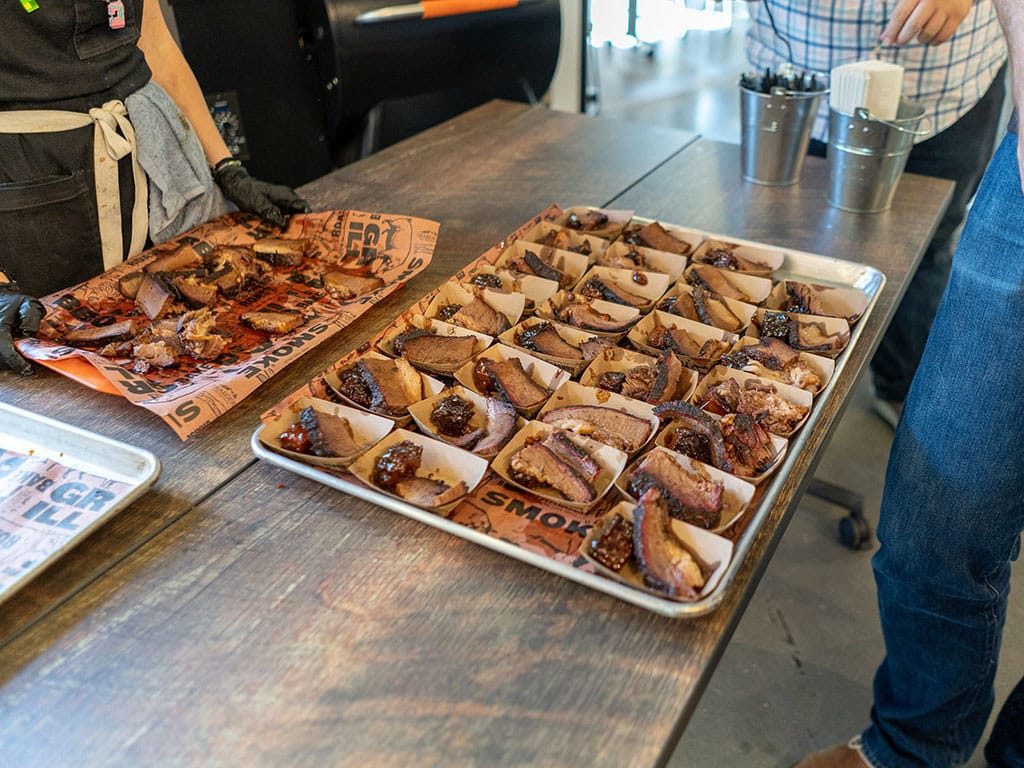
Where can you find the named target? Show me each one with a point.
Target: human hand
(930, 21)
(21, 315)
(271, 202)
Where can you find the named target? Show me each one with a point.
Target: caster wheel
(854, 532)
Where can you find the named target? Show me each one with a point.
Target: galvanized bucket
(867, 155)
(776, 129)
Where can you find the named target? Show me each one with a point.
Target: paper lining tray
(77, 449)
(801, 265)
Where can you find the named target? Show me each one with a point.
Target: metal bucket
(866, 156)
(776, 129)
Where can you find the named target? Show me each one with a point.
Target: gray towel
(182, 193)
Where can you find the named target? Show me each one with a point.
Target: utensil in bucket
(867, 155)
(776, 129)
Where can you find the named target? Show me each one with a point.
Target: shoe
(888, 411)
(839, 756)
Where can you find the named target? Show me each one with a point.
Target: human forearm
(174, 75)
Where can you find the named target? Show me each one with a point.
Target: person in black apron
(72, 193)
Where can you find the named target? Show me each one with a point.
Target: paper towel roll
(876, 85)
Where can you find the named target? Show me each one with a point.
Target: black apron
(63, 56)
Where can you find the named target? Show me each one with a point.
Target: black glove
(271, 202)
(21, 315)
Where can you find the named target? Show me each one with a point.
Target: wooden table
(240, 615)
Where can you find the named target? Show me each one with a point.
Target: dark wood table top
(481, 175)
(281, 623)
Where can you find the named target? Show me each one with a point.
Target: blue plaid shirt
(949, 79)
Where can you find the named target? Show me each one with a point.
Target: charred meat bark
(688, 442)
(398, 345)
(452, 415)
(393, 384)
(535, 465)
(487, 280)
(281, 252)
(703, 354)
(693, 498)
(442, 353)
(194, 291)
(508, 379)
(427, 492)
(234, 268)
(563, 241)
(197, 331)
(586, 221)
(707, 445)
(771, 352)
(577, 311)
(353, 386)
(639, 381)
(807, 336)
(448, 311)
(479, 316)
(724, 256)
(800, 297)
(395, 471)
(748, 444)
(544, 338)
(329, 436)
(668, 375)
(715, 281)
(713, 311)
(757, 400)
(664, 561)
(274, 322)
(348, 285)
(534, 263)
(398, 462)
(657, 237)
(599, 288)
(123, 330)
(594, 346)
(612, 381)
(565, 449)
(612, 542)
(183, 258)
(680, 305)
(607, 425)
(501, 423)
(774, 359)
(631, 259)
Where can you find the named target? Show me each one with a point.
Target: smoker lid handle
(432, 9)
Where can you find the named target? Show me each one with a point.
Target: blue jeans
(953, 508)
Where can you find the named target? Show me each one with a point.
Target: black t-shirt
(64, 55)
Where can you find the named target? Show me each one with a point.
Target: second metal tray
(79, 454)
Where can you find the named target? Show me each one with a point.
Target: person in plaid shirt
(954, 56)
(951, 517)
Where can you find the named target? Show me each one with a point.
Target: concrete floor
(797, 675)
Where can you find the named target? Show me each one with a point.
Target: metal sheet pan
(797, 265)
(77, 450)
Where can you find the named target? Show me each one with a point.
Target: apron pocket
(51, 235)
(93, 35)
